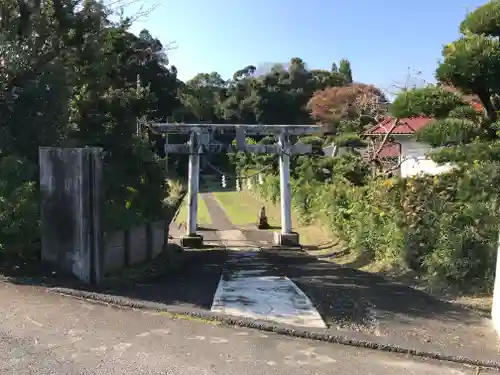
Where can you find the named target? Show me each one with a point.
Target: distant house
(410, 154)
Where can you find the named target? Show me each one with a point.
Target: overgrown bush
(452, 224)
(270, 189)
(444, 227)
(135, 186)
(19, 219)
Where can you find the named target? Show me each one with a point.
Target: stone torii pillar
(192, 239)
(286, 236)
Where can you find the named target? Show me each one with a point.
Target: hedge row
(445, 227)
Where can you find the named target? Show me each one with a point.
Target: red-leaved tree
(335, 104)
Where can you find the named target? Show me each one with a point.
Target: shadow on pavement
(193, 283)
(348, 295)
(349, 299)
(191, 280)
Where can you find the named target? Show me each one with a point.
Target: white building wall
(416, 162)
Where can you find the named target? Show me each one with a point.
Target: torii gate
(199, 142)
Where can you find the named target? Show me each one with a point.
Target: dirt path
(220, 221)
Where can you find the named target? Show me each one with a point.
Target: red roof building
(405, 126)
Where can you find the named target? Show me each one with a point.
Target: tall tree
(472, 63)
(470, 71)
(432, 101)
(333, 105)
(345, 69)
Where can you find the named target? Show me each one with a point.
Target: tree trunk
(490, 109)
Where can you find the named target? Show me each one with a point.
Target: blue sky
(382, 39)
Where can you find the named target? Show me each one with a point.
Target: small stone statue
(263, 224)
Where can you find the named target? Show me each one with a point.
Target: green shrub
(444, 227)
(135, 187)
(304, 198)
(19, 215)
(452, 223)
(449, 131)
(270, 189)
(432, 101)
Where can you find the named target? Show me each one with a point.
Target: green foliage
(73, 78)
(345, 69)
(270, 189)
(450, 131)
(469, 154)
(349, 140)
(472, 64)
(350, 167)
(304, 198)
(19, 237)
(444, 227)
(484, 20)
(430, 101)
(467, 112)
(453, 223)
(317, 143)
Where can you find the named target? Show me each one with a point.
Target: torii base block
(286, 239)
(193, 241)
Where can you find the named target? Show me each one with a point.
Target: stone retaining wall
(136, 245)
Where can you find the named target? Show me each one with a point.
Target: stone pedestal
(192, 241)
(286, 239)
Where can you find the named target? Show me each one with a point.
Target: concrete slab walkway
(250, 285)
(248, 294)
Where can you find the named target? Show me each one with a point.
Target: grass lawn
(203, 215)
(243, 207)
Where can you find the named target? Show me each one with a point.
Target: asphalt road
(41, 333)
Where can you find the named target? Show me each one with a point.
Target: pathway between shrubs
(250, 286)
(370, 307)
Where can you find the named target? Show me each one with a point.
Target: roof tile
(405, 125)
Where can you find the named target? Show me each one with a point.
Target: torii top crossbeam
(176, 128)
